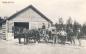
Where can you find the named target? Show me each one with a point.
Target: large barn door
(19, 26)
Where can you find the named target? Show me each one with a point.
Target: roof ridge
(32, 7)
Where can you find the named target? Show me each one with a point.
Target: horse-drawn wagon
(39, 35)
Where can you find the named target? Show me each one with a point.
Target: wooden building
(29, 17)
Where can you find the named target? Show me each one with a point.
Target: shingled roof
(33, 8)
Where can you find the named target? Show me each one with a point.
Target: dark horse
(27, 35)
(33, 35)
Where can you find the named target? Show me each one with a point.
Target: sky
(53, 9)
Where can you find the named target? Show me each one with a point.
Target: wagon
(38, 35)
(62, 37)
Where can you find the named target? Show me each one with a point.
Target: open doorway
(19, 26)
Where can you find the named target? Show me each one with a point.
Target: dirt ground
(12, 47)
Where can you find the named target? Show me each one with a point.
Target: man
(43, 26)
(25, 31)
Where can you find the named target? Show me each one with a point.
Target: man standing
(43, 26)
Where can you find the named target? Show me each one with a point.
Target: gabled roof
(33, 8)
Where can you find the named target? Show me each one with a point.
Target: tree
(69, 25)
(56, 25)
(1, 22)
(69, 30)
(69, 22)
(60, 21)
(76, 28)
(84, 29)
(60, 25)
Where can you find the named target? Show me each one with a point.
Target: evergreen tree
(69, 26)
(60, 25)
(84, 29)
(76, 28)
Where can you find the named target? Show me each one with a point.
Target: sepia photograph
(42, 27)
